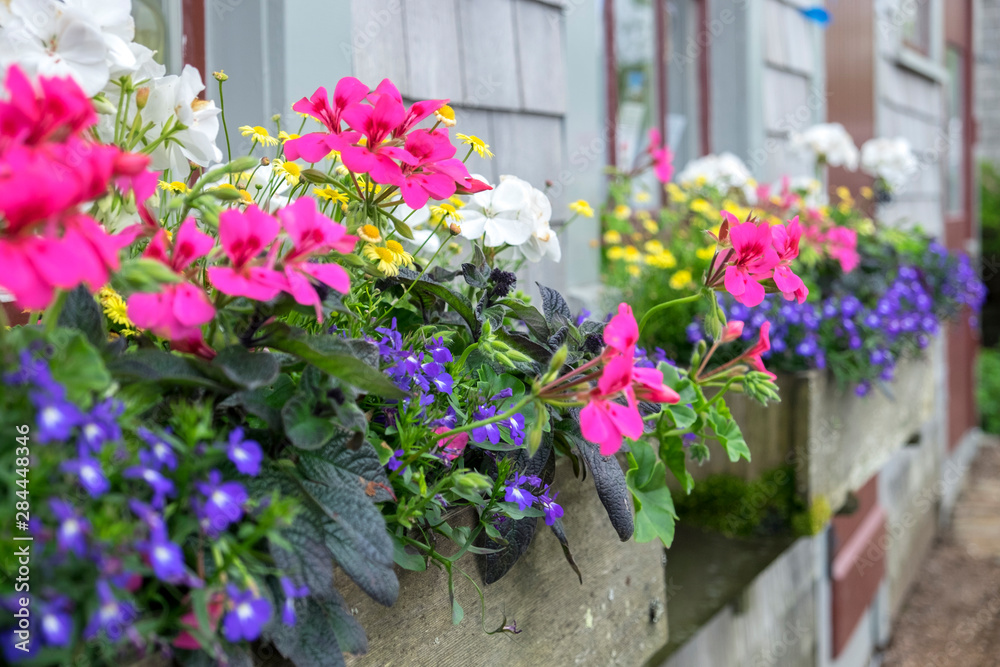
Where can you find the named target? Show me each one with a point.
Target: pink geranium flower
(435, 173)
(413, 115)
(57, 109)
(732, 331)
(313, 233)
(188, 245)
(376, 157)
(176, 313)
(244, 236)
(763, 344)
(786, 245)
(621, 333)
(662, 157)
(606, 422)
(842, 244)
(648, 386)
(314, 146)
(753, 259)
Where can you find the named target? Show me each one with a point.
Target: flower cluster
(512, 213)
(49, 168)
(751, 253)
(830, 143)
(379, 139)
(891, 160)
(724, 172)
(529, 490)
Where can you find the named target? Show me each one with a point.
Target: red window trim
(193, 35)
(662, 81)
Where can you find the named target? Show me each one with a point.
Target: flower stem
(665, 306)
(527, 398)
(51, 316)
(222, 108)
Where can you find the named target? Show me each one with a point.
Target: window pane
(150, 28)
(955, 62)
(682, 80)
(917, 28)
(635, 52)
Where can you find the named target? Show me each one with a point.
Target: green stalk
(665, 306)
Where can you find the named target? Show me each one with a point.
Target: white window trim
(930, 66)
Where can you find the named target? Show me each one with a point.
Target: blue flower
(160, 453)
(73, 528)
(100, 426)
(248, 617)
(56, 622)
(91, 475)
(291, 592)
(246, 455)
(221, 505)
(165, 557)
(161, 486)
(513, 493)
(57, 417)
(112, 617)
(552, 510)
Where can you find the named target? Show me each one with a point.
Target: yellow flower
(650, 225)
(177, 187)
(369, 233)
(291, 171)
(444, 211)
(662, 260)
(824, 211)
(612, 237)
(384, 259)
(867, 192)
(258, 134)
(680, 279)
(642, 196)
(844, 207)
(632, 254)
(701, 206)
(246, 197)
(114, 307)
(446, 116)
(330, 193)
(634, 270)
(622, 211)
(616, 252)
(705, 253)
(285, 136)
(402, 257)
(456, 201)
(653, 247)
(477, 144)
(700, 181)
(844, 194)
(676, 194)
(582, 207)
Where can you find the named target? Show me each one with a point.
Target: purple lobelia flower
(57, 417)
(221, 505)
(165, 556)
(291, 592)
(514, 493)
(73, 528)
(160, 453)
(56, 623)
(100, 426)
(394, 462)
(112, 617)
(247, 617)
(245, 454)
(91, 475)
(161, 486)
(552, 510)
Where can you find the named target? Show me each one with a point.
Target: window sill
(920, 64)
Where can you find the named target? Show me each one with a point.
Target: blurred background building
(563, 88)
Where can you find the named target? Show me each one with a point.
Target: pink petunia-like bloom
(377, 156)
(753, 259)
(662, 157)
(648, 386)
(244, 236)
(786, 245)
(53, 111)
(312, 233)
(621, 334)
(732, 331)
(177, 314)
(606, 422)
(188, 245)
(314, 146)
(451, 448)
(436, 173)
(413, 115)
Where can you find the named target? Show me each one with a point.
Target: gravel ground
(952, 617)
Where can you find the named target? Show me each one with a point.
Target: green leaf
(77, 365)
(406, 559)
(728, 433)
(342, 365)
(402, 228)
(672, 453)
(457, 613)
(336, 463)
(554, 306)
(654, 507)
(456, 301)
(81, 312)
(303, 429)
(528, 314)
(315, 639)
(560, 532)
(154, 365)
(247, 369)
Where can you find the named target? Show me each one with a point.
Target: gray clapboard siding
(541, 57)
(432, 49)
(489, 54)
(378, 43)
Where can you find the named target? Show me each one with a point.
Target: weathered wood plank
(489, 55)
(432, 49)
(541, 57)
(377, 46)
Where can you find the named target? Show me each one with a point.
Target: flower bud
(264, 161)
(103, 105)
(732, 331)
(455, 229)
(473, 481)
(142, 97)
(220, 76)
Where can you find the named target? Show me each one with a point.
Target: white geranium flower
(830, 143)
(83, 39)
(891, 160)
(724, 172)
(494, 214)
(178, 96)
(543, 240)
(418, 221)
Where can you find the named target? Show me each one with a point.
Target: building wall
(988, 79)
